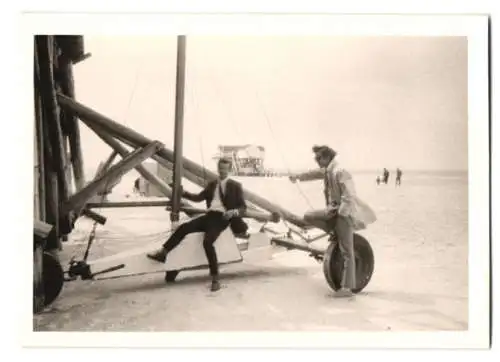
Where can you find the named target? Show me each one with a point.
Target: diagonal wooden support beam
(104, 166)
(143, 171)
(41, 229)
(76, 201)
(123, 152)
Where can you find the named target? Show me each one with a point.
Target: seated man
(225, 203)
(344, 211)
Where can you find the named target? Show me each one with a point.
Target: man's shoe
(344, 293)
(215, 286)
(159, 256)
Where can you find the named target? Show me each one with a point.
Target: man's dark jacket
(232, 198)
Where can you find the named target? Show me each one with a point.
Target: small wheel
(53, 278)
(171, 275)
(365, 262)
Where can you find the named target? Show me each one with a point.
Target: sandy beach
(420, 241)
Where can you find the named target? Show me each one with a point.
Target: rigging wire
(231, 119)
(195, 105)
(228, 113)
(132, 94)
(92, 234)
(233, 123)
(198, 126)
(304, 196)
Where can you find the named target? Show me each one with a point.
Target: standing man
(386, 176)
(399, 173)
(344, 211)
(226, 204)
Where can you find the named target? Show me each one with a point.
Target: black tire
(171, 275)
(365, 264)
(38, 297)
(53, 278)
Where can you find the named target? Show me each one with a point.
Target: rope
(92, 232)
(231, 119)
(132, 94)
(228, 113)
(304, 196)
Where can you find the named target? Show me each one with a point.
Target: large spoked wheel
(171, 275)
(53, 278)
(365, 262)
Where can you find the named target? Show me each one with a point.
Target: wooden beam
(82, 58)
(135, 139)
(123, 204)
(41, 229)
(123, 152)
(94, 215)
(103, 167)
(76, 201)
(71, 123)
(200, 181)
(40, 144)
(178, 128)
(50, 110)
(53, 216)
(72, 47)
(144, 172)
(259, 216)
(289, 244)
(106, 164)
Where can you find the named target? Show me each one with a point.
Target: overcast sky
(379, 101)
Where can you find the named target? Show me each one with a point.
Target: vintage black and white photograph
(204, 182)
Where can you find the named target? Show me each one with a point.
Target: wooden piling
(51, 201)
(47, 86)
(39, 147)
(71, 123)
(39, 205)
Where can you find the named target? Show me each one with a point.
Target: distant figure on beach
(344, 211)
(137, 185)
(399, 173)
(378, 180)
(386, 176)
(225, 203)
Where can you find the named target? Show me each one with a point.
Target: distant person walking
(386, 176)
(137, 186)
(378, 180)
(399, 174)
